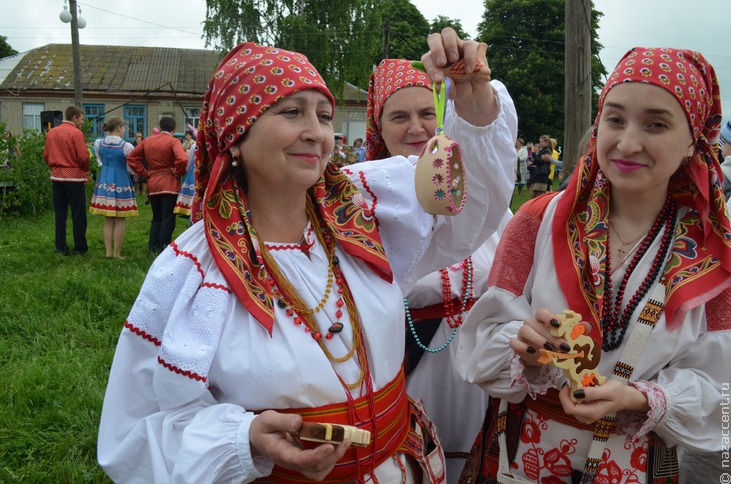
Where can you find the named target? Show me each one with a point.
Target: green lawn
(59, 322)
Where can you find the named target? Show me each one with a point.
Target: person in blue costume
(114, 196)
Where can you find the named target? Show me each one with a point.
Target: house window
(134, 118)
(32, 115)
(95, 114)
(193, 115)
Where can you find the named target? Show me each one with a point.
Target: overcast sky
(626, 23)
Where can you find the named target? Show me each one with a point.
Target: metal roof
(110, 68)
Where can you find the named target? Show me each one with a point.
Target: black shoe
(80, 252)
(64, 251)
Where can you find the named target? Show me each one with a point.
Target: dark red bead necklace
(614, 326)
(453, 314)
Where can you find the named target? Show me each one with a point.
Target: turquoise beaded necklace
(465, 298)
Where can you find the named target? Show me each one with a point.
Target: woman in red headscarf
(639, 244)
(283, 302)
(401, 120)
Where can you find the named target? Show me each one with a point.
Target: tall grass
(59, 322)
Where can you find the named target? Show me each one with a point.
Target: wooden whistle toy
(579, 364)
(457, 72)
(333, 433)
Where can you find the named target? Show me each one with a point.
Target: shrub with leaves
(24, 176)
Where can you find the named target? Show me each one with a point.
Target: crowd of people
(159, 168)
(316, 286)
(344, 154)
(538, 165)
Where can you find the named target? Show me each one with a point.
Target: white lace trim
(536, 380)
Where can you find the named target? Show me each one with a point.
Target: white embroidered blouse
(162, 422)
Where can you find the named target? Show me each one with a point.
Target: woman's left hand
(474, 97)
(603, 400)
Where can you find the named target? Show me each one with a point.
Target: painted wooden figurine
(579, 364)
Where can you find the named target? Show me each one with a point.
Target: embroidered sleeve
(535, 380)
(634, 425)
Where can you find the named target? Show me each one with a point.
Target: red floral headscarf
(249, 80)
(390, 76)
(700, 264)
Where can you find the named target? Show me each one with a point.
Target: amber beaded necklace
(289, 299)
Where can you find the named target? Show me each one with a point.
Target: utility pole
(76, 54)
(577, 79)
(386, 38)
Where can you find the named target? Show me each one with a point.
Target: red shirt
(66, 153)
(166, 163)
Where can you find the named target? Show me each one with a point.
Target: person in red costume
(68, 156)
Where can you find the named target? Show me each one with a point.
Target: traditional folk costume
(554, 255)
(114, 195)
(187, 188)
(227, 326)
(66, 153)
(436, 305)
(166, 162)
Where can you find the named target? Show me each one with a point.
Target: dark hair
(167, 124)
(112, 123)
(71, 112)
(187, 131)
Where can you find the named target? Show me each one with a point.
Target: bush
(25, 175)
(25, 185)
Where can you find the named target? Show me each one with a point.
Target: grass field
(59, 322)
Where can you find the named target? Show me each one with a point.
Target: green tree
(336, 35)
(407, 30)
(441, 22)
(526, 52)
(5, 49)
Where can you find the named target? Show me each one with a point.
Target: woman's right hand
(474, 98)
(536, 334)
(270, 435)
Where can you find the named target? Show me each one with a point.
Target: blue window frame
(95, 114)
(134, 118)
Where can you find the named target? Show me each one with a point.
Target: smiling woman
(645, 137)
(283, 302)
(402, 117)
(288, 146)
(639, 244)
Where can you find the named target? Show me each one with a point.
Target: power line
(136, 19)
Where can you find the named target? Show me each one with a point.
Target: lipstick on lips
(626, 166)
(308, 157)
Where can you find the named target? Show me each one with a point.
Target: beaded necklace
(614, 326)
(289, 299)
(454, 319)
